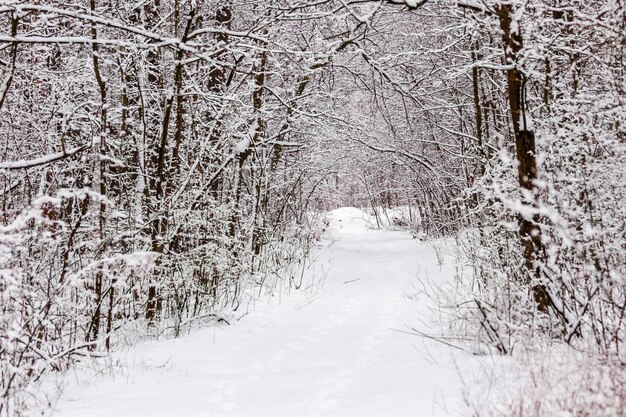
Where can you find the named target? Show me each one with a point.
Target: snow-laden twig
(43, 160)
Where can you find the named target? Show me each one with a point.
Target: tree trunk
(529, 229)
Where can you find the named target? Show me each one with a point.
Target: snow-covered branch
(43, 160)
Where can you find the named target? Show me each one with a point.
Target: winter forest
(286, 208)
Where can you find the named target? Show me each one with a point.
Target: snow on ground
(337, 352)
(350, 220)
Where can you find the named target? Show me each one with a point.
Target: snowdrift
(349, 220)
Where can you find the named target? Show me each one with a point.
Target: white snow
(335, 351)
(410, 3)
(350, 220)
(243, 144)
(526, 122)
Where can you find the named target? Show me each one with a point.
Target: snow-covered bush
(572, 284)
(61, 295)
(582, 219)
(548, 381)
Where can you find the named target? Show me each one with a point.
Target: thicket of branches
(161, 159)
(551, 206)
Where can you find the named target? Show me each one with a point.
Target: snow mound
(350, 220)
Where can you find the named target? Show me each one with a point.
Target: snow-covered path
(336, 353)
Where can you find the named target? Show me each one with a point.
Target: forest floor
(338, 349)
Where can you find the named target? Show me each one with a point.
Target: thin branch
(44, 160)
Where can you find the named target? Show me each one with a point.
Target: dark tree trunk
(529, 229)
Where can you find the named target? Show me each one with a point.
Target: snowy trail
(336, 354)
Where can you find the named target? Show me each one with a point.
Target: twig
(416, 332)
